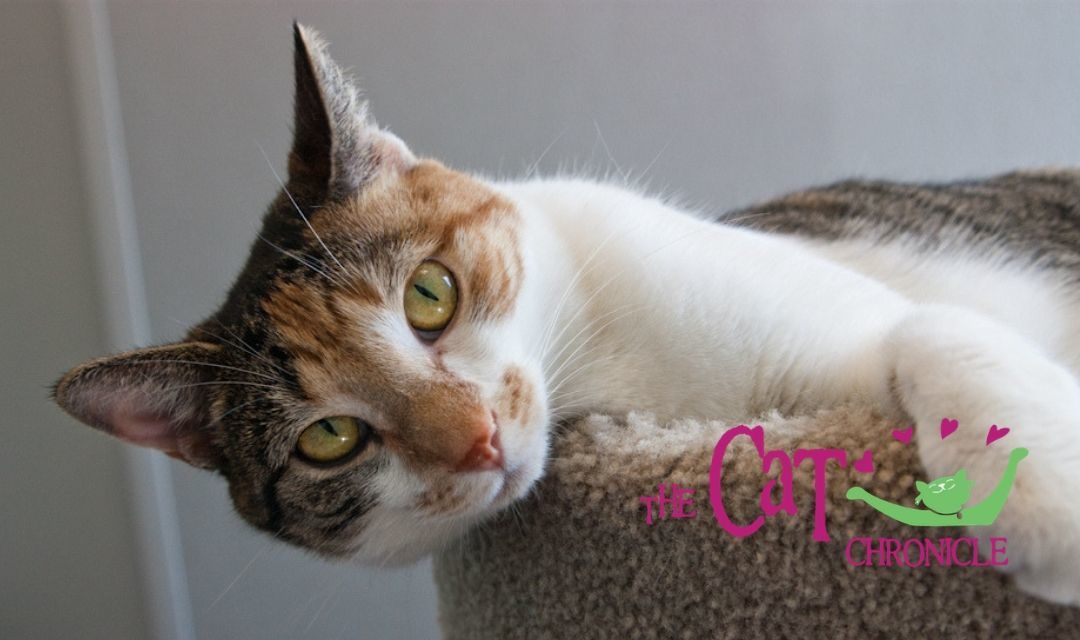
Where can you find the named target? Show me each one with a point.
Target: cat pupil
(426, 293)
(329, 428)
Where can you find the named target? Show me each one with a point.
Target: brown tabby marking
(439, 500)
(1030, 217)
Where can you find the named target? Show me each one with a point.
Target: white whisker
(223, 383)
(302, 260)
(203, 364)
(536, 164)
(297, 207)
(259, 554)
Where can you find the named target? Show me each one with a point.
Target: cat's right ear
(155, 397)
(337, 147)
(921, 486)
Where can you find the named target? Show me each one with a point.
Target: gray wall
(722, 103)
(67, 566)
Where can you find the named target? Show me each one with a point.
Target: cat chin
(398, 537)
(424, 538)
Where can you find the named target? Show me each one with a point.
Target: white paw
(955, 364)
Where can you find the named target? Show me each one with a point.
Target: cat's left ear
(960, 475)
(337, 147)
(156, 397)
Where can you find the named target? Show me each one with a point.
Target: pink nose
(485, 454)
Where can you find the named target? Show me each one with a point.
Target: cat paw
(1060, 586)
(956, 364)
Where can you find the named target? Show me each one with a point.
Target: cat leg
(949, 362)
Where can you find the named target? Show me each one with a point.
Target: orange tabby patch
(454, 215)
(516, 399)
(303, 317)
(320, 335)
(472, 220)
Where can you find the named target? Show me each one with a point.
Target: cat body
(957, 327)
(358, 425)
(629, 252)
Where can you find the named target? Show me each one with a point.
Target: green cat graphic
(945, 495)
(945, 498)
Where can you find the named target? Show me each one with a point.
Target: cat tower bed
(577, 559)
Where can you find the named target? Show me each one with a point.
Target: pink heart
(904, 435)
(996, 433)
(948, 427)
(865, 464)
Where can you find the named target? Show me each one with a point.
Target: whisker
(204, 364)
(301, 260)
(626, 269)
(557, 393)
(297, 207)
(742, 218)
(589, 326)
(335, 593)
(550, 328)
(259, 554)
(581, 309)
(223, 383)
(535, 166)
(236, 408)
(610, 155)
(655, 158)
(548, 361)
(244, 346)
(241, 345)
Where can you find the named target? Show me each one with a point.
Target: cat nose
(486, 453)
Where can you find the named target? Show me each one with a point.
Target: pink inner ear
(143, 429)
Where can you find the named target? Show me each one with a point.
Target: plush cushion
(577, 560)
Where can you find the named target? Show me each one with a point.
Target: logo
(941, 502)
(944, 499)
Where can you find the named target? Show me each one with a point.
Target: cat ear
(921, 486)
(337, 147)
(960, 475)
(152, 397)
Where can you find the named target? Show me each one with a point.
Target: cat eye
(430, 299)
(333, 439)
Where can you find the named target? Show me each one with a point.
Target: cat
(387, 368)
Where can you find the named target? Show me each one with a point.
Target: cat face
(945, 495)
(368, 387)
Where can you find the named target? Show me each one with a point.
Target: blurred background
(132, 178)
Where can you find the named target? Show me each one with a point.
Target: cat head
(368, 387)
(945, 495)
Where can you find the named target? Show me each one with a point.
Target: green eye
(430, 298)
(332, 439)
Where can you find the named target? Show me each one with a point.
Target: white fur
(663, 312)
